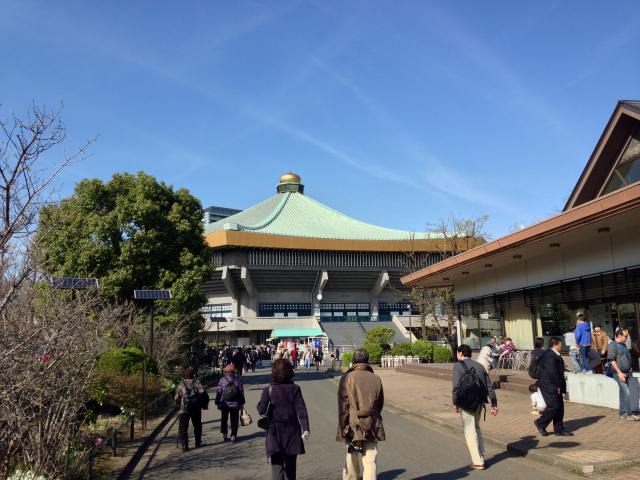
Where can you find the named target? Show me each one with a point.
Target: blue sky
(397, 113)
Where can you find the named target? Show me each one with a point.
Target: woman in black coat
(289, 420)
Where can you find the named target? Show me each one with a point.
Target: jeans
(625, 396)
(473, 435)
(584, 357)
(574, 353)
(283, 467)
(352, 470)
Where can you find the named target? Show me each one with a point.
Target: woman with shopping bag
(230, 401)
(285, 419)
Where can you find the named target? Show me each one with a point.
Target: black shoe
(185, 448)
(542, 431)
(234, 439)
(563, 433)
(198, 445)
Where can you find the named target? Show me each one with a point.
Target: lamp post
(151, 295)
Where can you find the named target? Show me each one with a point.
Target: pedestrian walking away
(620, 369)
(360, 403)
(230, 400)
(552, 385)
(191, 398)
(472, 389)
(288, 422)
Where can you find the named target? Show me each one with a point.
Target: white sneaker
(633, 418)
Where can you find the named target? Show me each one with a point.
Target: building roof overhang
(242, 239)
(623, 204)
(623, 121)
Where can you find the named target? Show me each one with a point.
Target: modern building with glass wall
(535, 281)
(291, 267)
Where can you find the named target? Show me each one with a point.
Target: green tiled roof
(297, 215)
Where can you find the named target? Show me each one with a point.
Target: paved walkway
(416, 449)
(601, 439)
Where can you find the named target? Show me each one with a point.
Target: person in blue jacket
(583, 341)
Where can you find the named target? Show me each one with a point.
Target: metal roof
(296, 215)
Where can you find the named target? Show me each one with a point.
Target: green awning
(296, 332)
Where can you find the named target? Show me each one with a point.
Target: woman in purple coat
(230, 400)
(289, 420)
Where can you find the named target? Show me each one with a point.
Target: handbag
(264, 422)
(245, 418)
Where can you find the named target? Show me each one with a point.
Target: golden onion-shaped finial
(290, 178)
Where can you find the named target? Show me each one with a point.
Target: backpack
(471, 391)
(230, 392)
(191, 398)
(534, 367)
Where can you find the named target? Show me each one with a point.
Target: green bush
(125, 391)
(346, 358)
(401, 349)
(441, 354)
(379, 335)
(125, 360)
(423, 350)
(375, 351)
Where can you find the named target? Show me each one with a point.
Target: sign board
(317, 343)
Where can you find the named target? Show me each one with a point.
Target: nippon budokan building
(293, 268)
(585, 260)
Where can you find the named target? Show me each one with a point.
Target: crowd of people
(283, 410)
(361, 397)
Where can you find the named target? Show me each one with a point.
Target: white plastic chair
(416, 360)
(396, 361)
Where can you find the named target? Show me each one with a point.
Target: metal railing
(86, 461)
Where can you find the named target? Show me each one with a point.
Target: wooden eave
(603, 207)
(242, 239)
(602, 160)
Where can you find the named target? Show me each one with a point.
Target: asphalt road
(414, 450)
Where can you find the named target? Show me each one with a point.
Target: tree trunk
(423, 326)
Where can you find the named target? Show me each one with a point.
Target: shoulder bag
(264, 422)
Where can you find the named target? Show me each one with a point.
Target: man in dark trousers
(552, 385)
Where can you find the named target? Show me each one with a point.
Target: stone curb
(582, 468)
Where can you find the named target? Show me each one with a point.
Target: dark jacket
(288, 420)
(239, 401)
(551, 373)
(239, 360)
(360, 402)
(481, 372)
(537, 353)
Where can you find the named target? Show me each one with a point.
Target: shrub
(401, 349)
(124, 391)
(346, 358)
(375, 351)
(422, 349)
(125, 360)
(379, 336)
(441, 354)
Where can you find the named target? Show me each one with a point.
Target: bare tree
(453, 236)
(25, 185)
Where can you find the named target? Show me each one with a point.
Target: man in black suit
(552, 385)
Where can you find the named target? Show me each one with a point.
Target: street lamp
(151, 295)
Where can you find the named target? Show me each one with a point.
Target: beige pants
(353, 471)
(473, 435)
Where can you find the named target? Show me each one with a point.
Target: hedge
(125, 360)
(441, 354)
(346, 358)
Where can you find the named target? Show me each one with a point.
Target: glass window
(625, 174)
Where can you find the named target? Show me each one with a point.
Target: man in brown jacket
(360, 402)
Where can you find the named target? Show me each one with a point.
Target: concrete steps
(502, 379)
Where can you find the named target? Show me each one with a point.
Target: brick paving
(601, 439)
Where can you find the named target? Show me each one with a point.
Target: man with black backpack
(471, 389)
